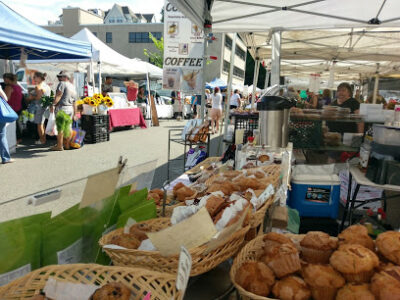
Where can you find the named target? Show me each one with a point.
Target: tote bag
(7, 114)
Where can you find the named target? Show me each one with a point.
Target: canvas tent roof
(16, 32)
(112, 62)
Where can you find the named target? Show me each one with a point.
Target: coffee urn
(274, 120)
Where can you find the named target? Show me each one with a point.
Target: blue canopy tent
(16, 32)
(216, 82)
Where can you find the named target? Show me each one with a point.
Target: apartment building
(127, 33)
(120, 28)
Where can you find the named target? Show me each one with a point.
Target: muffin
(291, 288)
(317, 247)
(283, 259)
(214, 205)
(273, 239)
(355, 262)
(125, 240)
(324, 281)
(356, 234)
(388, 244)
(112, 291)
(354, 291)
(385, 285)
(255, 277)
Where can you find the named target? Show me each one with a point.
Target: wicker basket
(168, 210)
(205, 163)
(139, 281)
(153, 260)
(273, 172)
(252, 251)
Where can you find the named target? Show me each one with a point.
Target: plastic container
(386, 135)
(315, 193)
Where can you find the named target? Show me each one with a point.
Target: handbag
(7, 114)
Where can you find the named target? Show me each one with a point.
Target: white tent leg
(149, 98)
(99, 70)
(276, 58)
(376, 86)
(228, 92)
(203, 82)
(267, 75)
(255, 80)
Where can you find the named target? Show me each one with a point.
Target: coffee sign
(183, 52)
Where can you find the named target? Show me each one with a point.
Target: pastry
(139, 231)
(244, 183)
(283, 259)
(155, 197)
(323, 280)
(125, 240)
(214, 204)
(273, 239)
(185, 193)
(177, 187)
(226, 187)
(317, 247)
(356, 234)
(353, 291)
(291, 288)
(231, 174)
(385, 285)
(388, 244)
(255, 277)
(263, 158)
(355, 262)
(112, 291)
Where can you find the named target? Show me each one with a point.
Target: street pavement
(37, 169)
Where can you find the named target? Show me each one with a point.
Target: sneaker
(8, 161)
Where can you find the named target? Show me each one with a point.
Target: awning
(16, 32)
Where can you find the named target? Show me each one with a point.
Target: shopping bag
(77, 138)
(7, 114)
(51, 128)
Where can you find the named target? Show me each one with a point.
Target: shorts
(232, 106)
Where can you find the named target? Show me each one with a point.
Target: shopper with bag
(41, 89)
(64, 109)
(7, 115)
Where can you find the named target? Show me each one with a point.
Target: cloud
(42, 11)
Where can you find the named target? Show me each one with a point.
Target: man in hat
(65, 101)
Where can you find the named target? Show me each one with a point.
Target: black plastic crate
(97, 138)
(247, 122)
(94, 120)
(96, 130)
(305, 134)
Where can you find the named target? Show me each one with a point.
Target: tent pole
(203, 80)
(228, 92)
(267, 75)
(376, 86)
(149, 98)
(276, 58)
(99, 70)
(255, 80)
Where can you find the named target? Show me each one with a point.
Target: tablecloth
(126, 117)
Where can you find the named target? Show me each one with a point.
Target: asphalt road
(37, 169)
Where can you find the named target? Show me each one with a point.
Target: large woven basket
(273, 172)
(205, 164)
(201, 260)
(139, 281)
(252, 251)
(168, 210)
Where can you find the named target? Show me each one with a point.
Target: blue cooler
(316, 194)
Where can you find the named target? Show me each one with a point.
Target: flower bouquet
(97, 102)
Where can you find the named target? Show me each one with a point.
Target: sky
(41, 11)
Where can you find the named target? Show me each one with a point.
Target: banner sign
(183, 52)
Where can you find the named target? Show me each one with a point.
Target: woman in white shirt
(216, 109)
(235, 100)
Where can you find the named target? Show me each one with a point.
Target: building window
(119, 20)
(238, 72)
(228, 42)
(94, 33)
(143, 37)
(226, 66)
(239, 52)
(109, 37)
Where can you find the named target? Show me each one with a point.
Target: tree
(156, 57)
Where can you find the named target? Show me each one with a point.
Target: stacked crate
(96, 127)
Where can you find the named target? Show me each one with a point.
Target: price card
(184, 269)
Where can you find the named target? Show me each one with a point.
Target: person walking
(63, 101)
(234, 101)
(216, 109)
(41, 89)
(4, 150)
(14, 94)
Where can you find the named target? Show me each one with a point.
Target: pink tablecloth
(126, 117)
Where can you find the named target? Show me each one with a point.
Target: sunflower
(92, 102)
(109, 104)
(80, 102)
(86, 100)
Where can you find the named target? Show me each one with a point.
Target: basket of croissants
(106, 282)
(320, 267)
(131, 253)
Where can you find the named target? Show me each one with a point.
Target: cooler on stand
(315, 191)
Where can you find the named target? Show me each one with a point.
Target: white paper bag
(51, 128)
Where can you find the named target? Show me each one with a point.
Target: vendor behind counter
(345, 100)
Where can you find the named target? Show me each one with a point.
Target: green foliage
(63, 122)
(46, 101)
(156, 57)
